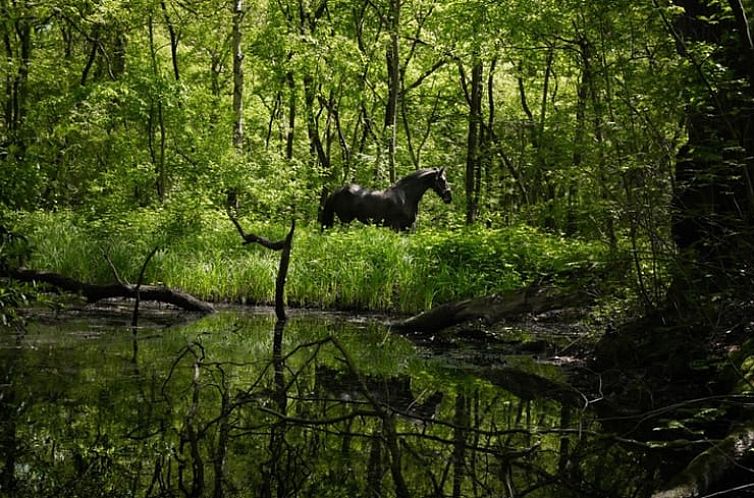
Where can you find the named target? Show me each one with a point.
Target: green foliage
(109, 126)
(357, 267)
(12, 297)
(14, 251)
(130, 140)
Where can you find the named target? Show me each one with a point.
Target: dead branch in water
(280, 245)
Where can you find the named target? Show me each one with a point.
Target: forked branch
(280, 245)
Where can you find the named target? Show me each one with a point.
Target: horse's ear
(441, 170)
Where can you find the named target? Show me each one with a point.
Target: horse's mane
(415, 176)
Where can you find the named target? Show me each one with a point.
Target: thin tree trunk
(415, 150)
(290, 132)
(315, 141)
(173, 40)
(158, 156)
(16, 85)
(92, 54)
(582, 93)
(238, 76)
(544, 163)
(494, 141)
(473, 142)
(527, 110)
(744, 33)
(394, 74)
(8, 83)
(597, 122)
(545, 93)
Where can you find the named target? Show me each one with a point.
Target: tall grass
(357, 267)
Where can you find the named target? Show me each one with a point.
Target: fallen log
(95, 292)
(494, 309)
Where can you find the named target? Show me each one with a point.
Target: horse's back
(356, 202)
(353, 190)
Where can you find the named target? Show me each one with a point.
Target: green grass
(356, 267)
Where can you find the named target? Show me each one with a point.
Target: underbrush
(356, 267)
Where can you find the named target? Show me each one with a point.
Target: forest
(571, 299)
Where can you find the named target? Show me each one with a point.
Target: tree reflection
(10, 413)
(307, 414)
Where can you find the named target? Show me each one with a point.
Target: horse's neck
(416, 188)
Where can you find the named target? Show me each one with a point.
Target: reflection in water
(237, 406)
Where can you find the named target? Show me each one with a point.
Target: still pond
(235, 405)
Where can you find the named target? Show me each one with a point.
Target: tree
(714, 196)
(17, 41)
(394, 80)
(238, 77)
(474, 142)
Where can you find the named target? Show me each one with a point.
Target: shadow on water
(238, 405)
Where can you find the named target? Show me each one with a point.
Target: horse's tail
(327, 216)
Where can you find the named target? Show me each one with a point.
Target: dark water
(232, 405)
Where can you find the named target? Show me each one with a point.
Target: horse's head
(441, 186)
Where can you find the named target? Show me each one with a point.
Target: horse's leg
(344, 207)
(406, 223)
(361, 208)
(401, 226)
(365, 219)
(328, 212)
(345, 216)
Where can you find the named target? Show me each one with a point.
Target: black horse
(395, 207)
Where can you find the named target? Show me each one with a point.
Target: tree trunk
(394, 74)
(290, 132)
(582, 93)
(19, 34)
(173, 40)
(599, 137)
(156, 120)
(238, 78)
(473, 147)
(316, 146)
(714, 198)
(92, 54)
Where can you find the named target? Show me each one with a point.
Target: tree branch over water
(283, 245)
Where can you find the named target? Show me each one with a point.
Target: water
(233, 405)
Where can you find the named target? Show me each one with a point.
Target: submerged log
(709, 468)
(95, 292)
(530, 386)
(494, 309)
